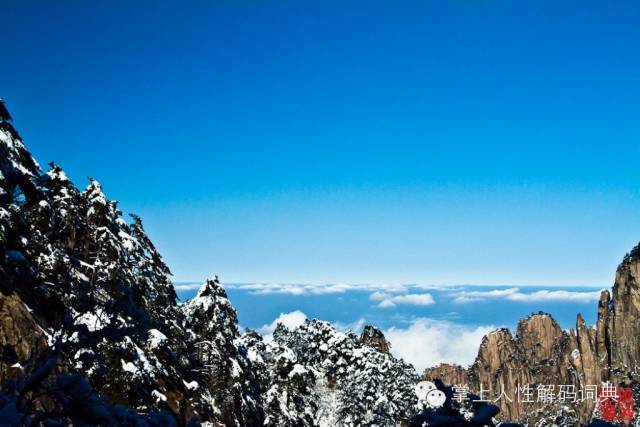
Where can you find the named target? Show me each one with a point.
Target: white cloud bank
(186, 286)
(426, 342)
(290, 320)
(556, 296)
(308, 289)
(514, 294)
(386, 300)
(355, 327)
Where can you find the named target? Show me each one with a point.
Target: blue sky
(445, 142)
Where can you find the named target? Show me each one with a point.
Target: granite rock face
(541, 353)
(374, 337)
(622, 319)
(454, 374)
(21, 340)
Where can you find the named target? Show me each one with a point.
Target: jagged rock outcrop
(448, 373)
(541, 353)
(21, 340)
(374, 337)
(586, 358)
(623, 320)
(602, 339)
(537, 355)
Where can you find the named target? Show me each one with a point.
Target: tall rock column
(624, 319)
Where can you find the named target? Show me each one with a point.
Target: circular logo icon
(436, 398)
(423, 388)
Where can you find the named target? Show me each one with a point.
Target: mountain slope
(96, 290)
(91, 332)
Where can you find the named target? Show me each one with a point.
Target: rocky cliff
(451, 374)
(20, 337)
(574, 361)
(374, 337)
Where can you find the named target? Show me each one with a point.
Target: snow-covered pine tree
(212, 324)
(289, 399)
(104, 251)
(151, 276)
(366, 386)
(65, 203)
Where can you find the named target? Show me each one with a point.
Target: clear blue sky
(432, 141)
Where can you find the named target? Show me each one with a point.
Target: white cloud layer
(426, 342)
(290, 320)
(186, 286)
(556, 296)
(355, 327)
(514, 294)
(317, 289)
(386, 300)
